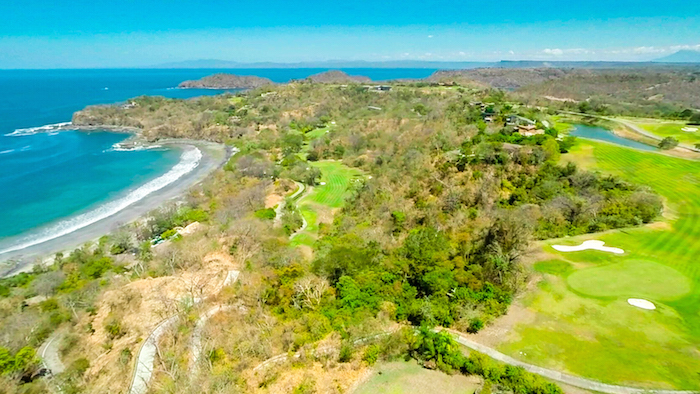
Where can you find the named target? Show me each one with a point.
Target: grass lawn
(669, 128)
(582, 322)
(320, 202)
(404, 377)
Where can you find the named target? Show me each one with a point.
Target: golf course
(579, 319)
(682, 131)
(319, 203)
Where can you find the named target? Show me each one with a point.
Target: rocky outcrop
(227, 81)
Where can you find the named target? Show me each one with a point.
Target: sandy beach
(213, 156)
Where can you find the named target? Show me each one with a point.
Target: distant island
(335, 76)
(227, 81)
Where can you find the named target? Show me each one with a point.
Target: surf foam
(189, 160)
(40, 129)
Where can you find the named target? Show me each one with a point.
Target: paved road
(146, 356)
(562, 377)
(632, 126)
(304, 223)
(280, 206)
(558, 376)
(49, 355)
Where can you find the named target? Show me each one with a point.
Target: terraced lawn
(581, 320)
(335, 185)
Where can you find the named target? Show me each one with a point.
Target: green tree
(668, 143)
(551, 149)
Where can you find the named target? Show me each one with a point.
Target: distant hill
(227, 81)
(330, 64)
(501, 78)
(684, 56)
(335, 76)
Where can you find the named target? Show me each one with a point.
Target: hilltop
(335, 76)
(227, 81)
(684, 56)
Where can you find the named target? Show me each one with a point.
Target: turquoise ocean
(54, 181)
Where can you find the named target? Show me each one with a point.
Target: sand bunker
(640, 303)
(690, 129)
(590, 244)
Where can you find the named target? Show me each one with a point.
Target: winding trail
(48, 352)
(304, 223)
(280, 206)
(145, 359)
(196, 345)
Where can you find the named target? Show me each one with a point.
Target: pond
(601, 134)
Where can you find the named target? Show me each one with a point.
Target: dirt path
(562, 377)
(49, 355)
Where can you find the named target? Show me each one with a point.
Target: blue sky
(133, 33)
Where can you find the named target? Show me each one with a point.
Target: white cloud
(685, 47)
(511, 52)
(555, 52)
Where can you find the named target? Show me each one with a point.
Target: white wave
(189, 160)
(119, 147)
(6, 151)
(40, 129)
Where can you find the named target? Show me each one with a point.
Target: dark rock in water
(335, 76)
(227, 81)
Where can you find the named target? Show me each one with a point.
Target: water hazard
(601, 134)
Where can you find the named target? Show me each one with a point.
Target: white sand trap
(590, 244)
(690, 129)
(640, 303)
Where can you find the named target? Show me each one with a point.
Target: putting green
(575, 328)
(631, 278)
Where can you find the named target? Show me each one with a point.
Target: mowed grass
(669, 128)
(407, 377)
(337, 179)
(582, 322)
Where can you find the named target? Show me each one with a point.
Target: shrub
(265, 214)
(475, 325)
(345, 353)
(371, 354)
(125, 356)
(114, 329)
(168, 234)
(79, 366)
(668, 143)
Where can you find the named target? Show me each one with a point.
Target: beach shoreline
(213, 156)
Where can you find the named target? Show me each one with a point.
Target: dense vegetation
(440, 350)
(434, 234)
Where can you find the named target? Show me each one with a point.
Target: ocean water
(54, 181)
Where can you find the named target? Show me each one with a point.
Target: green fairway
(582, 322)
(631, 279)
(336, 179)
(668, 128)
(331, 192)
(406, 377)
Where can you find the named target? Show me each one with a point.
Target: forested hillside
(434, 232)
